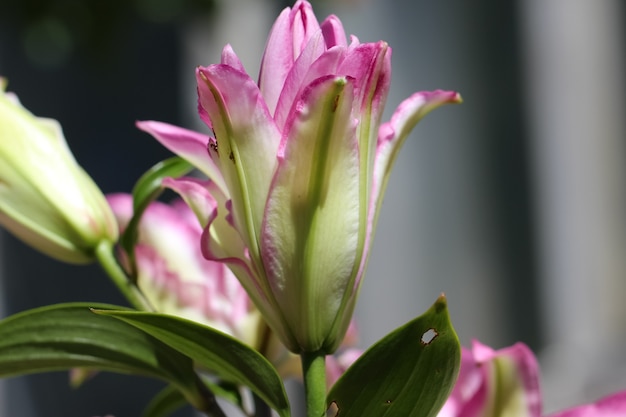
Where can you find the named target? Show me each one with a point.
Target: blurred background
(513, 203)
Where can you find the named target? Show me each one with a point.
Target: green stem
(207, 402)
(314, 371)
(260, 408)
(106, 257)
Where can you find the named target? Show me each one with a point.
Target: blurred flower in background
(176, 279)
(505, 383)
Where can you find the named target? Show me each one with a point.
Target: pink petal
(291, 32)
(338, 364)
(196, 194)
(613, 405)
(231, 59)
(411, 111)
(470, 392)
(370, 65)
(247, 142)
(391, 136)
(526, 367)
(122, 206)
(493, 382)
(314, 63)
(277, 60)
(334, 34)
(189, 145)
(220, 240)
(303, 25)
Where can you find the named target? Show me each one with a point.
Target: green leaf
(147, 189)
(227, 390)
(171, 399)
(65, 336)
(408, 373)
(165, 403)
(227, 357)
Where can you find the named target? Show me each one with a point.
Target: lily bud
(46, 199)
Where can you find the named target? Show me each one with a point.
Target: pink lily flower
(505, 383)
(298, 164)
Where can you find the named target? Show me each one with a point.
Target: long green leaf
(222, 354)
(408, 373)
(65, 336)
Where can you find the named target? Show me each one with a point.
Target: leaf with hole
(408, 373)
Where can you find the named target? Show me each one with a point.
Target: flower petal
(511, 378)
(312, 64)
(391, 136)
(169, 235)
(370, 65)
(247, 142)
(196, 194)
(231, 59)
(334, 34)
(189, 145)
(221, 241)
(338, 364)
(312, 212)
(613, 405)
(289, 36)
(469, 396)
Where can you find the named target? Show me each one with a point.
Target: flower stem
(208, 403)
(314, 371)
(104, 254)
(260, 408)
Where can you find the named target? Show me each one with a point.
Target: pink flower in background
(339, 363)
(505, 383)
(298, 164)
(174, 276)
(610, 406)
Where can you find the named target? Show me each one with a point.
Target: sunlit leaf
(408, 373)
